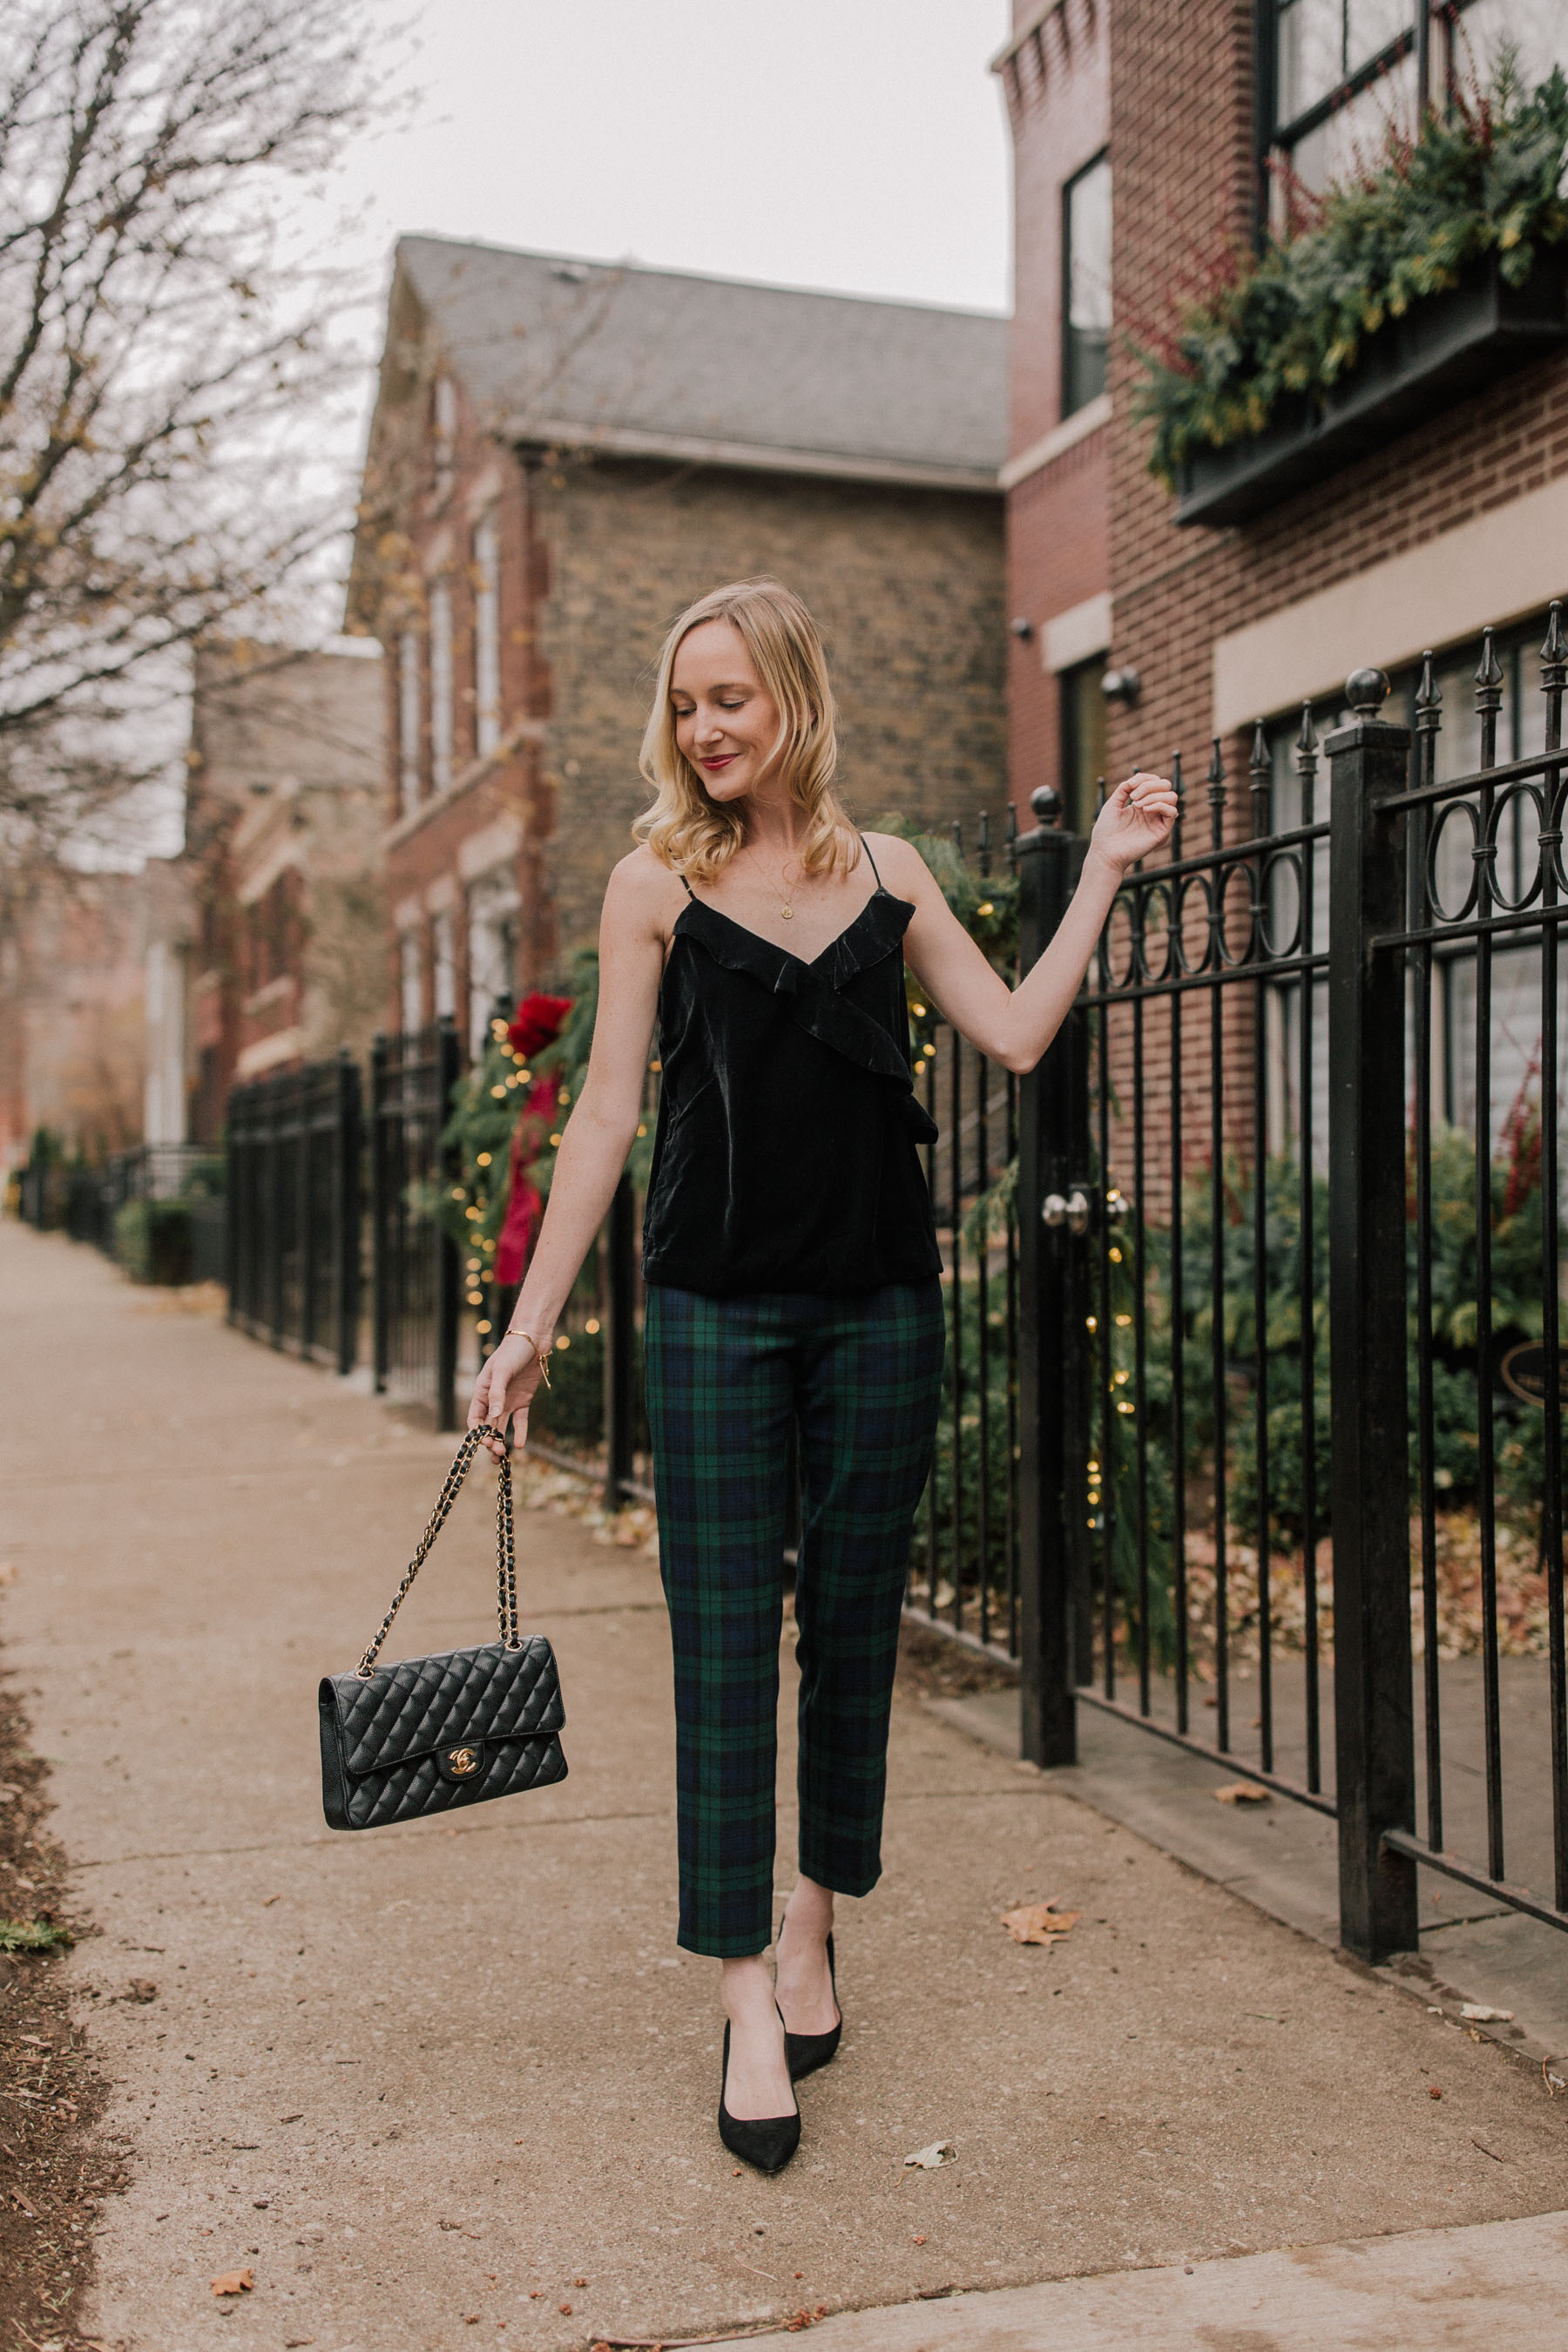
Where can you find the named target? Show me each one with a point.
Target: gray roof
(654, 361)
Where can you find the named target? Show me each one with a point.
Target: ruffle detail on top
(812, 991)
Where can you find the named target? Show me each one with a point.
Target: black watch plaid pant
(861, 1375)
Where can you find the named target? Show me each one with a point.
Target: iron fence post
(274, 1185)
(379, 1204)
(305, 1089)
(1375, 1732)
(234, 1153)
(349, 1210)
(1052, 1110)
(448, 1161)
(620, 1270)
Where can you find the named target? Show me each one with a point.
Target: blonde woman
(793, 1272)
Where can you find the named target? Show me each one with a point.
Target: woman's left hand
(1137, 820)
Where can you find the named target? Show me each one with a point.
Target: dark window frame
(1277, 138)
(1067, 405)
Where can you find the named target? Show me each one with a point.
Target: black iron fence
(157, 1209)
(294, 1186)
(414, 1265)
(1260, 1279)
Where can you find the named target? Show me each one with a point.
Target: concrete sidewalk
(457, 2077)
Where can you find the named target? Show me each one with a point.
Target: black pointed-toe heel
(805, 2053)
(765, 2141)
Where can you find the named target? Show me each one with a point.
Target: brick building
(72, 1049)
(1449, 513)
(562, 455)
(282, 945)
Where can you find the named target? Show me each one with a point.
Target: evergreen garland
(1488, 178)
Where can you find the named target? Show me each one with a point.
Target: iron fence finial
(1261, 770)
(1046, 804)
(1216, 791)
(1366, 691)
(1429, 698)
(1555, 652)
(1489, 677)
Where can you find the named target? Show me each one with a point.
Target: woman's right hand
(505, 1387)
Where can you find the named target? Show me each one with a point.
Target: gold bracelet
(542, 1355)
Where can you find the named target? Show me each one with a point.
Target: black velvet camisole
(786, 1156)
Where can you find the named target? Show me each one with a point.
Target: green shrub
(153, 1240)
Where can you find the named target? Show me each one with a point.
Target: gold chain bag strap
(428, 1734)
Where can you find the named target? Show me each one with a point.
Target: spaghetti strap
(688, 890)
(867, 847)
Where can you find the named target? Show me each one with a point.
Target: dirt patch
(931, 1666)
(54, 2172)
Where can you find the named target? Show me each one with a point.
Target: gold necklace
(785, 895)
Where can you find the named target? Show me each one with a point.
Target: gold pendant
(788, 914)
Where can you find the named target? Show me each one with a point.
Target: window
(443, 964)
(410, 981)
(493, 910)
(1344, 73)
(408, 721)
(440, 686)
(487, 637)
(443, 433)
(1084, 741)
(1086, 284)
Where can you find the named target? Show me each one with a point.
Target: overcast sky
(856, 144)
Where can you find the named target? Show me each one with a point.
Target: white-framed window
(440, 686)
(444, 432)
(443, 963)
(408, 699)
(487, 635)
(493, 910)
(410, 981)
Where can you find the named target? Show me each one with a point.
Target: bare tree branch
(160, 344)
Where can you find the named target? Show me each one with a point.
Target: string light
(592, 1327)
(563, 1342)
(484, 1159)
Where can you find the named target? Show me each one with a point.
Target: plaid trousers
(862, 1376)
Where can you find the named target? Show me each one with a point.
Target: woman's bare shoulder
(899, 863)
(643, 889)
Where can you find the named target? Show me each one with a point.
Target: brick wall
(1178, 590)
(1059, 100)
(906, 585)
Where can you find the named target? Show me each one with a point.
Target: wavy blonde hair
(685, 828)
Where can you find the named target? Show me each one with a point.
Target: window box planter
(1442, 349)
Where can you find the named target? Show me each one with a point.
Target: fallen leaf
(1434, 2092)
(140, 1989)
(292, 2119)
(941, 2151)
(233, 2283)
(268, 1900)
(1241, 1792)
(1036, 1922)
(1478, 2014)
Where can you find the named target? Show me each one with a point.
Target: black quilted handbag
(434, 1733)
